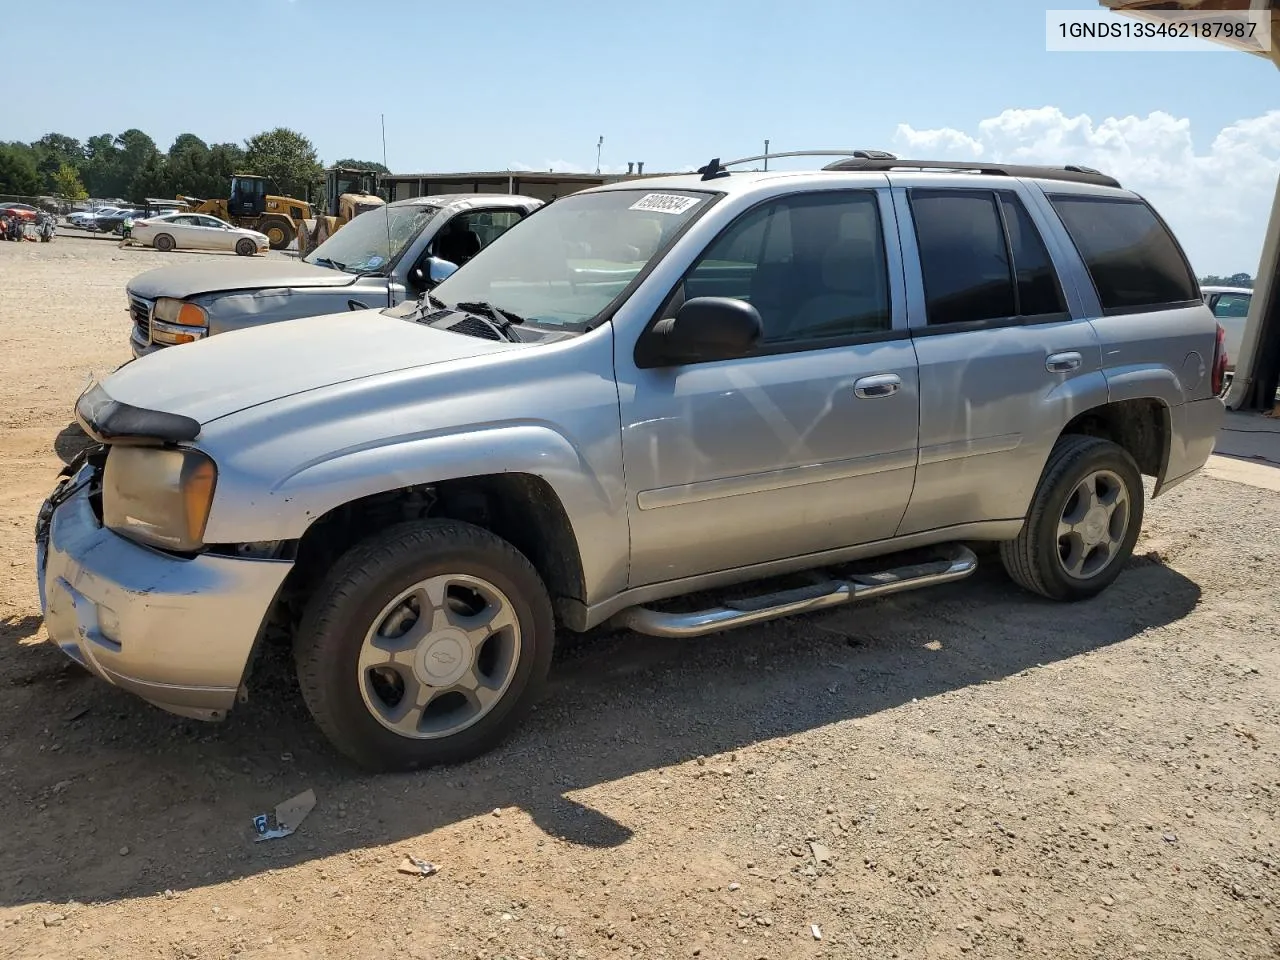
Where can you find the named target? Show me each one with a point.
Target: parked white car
(1231, 306)
(197, 231)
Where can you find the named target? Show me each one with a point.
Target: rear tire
(1083, 523)
(163, 242)
(246, 247)
(392, 696)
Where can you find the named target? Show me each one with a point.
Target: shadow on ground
(181, 794)
(70, 440)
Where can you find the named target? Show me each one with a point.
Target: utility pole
(766, 154)
(599, 147)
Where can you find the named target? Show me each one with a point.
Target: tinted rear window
(1131, 255)
(963, 256)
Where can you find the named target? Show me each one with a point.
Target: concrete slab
(1248, 451)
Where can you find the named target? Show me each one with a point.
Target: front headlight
(176, 321)
(158, 496)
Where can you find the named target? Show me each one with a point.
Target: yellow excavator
(348, 193)
(251, 206)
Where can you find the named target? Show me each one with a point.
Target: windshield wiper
(326, 262)
(504, 317)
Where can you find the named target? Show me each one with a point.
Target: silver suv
(640, 391)
(396, 251)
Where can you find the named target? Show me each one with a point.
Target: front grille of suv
(140, 311)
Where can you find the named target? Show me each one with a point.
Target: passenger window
(1231, 305)
(963, 257)
(1132, 257)
(1038, 290)
(813, 265)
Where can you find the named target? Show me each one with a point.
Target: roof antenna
(386, 206)
(713, 170)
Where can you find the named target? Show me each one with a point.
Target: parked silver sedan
(197, 231)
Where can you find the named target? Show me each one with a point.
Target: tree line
(132, 167)
(1235, 280)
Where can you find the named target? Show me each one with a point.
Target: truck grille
(140, 311)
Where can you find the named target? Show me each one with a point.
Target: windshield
(568, 261)
(361, 245)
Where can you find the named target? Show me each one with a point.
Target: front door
(806, 445)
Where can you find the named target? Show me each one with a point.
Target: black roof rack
(1073, 173)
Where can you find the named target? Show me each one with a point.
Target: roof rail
(866, 154)
(1073, 173)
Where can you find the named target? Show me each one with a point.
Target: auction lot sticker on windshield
(664, 203)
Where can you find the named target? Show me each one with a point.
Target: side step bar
(959, 563)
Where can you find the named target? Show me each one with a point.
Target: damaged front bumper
(177, 632)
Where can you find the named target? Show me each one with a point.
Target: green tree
(66, 183)
(362, 165)
(18, 173)
(186, 142)
(101, 168)
(149, 180)
(53, 152)
(286, 157)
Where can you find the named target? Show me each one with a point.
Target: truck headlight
(158, 496)
(176, 321)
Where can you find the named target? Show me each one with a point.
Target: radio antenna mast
(387, 214)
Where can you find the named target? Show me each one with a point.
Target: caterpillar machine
(348, 193)
(251, 206)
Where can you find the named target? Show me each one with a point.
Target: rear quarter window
(1133, 259)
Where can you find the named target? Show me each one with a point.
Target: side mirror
(436, 271)
(707, 328)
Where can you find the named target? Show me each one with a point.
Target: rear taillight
(1219, 376)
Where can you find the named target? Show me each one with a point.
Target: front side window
(1132, 257)
(468, 233)
(566, 263)
(813, 265)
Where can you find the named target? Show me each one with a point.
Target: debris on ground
(417, 867)
(286, 818)
(821, 854)
(816, 931)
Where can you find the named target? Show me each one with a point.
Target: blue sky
(671, 83)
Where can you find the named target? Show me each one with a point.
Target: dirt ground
(962, 772)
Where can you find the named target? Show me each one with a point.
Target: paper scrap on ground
(286, 819)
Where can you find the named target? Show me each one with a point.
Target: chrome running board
(958, 563)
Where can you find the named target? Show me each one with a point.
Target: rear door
(1005, 361)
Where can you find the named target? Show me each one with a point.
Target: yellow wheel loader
(348, 193)
(251, 206)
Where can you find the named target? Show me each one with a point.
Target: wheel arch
(1142, 426)
(521, 508)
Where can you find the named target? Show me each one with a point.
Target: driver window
(813, 265)
(468, 233)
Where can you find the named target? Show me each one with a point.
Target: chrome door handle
(881, 385)
(1063, 362)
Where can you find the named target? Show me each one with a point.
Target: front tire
(164, 243)
(246, 247)
(279, 232)
(1083, 523)
(425, 644)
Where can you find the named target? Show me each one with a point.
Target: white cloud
(1217, 200)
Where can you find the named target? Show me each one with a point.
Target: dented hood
(224, 374)
(190, 280)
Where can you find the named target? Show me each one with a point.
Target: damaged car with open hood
(376, 260)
